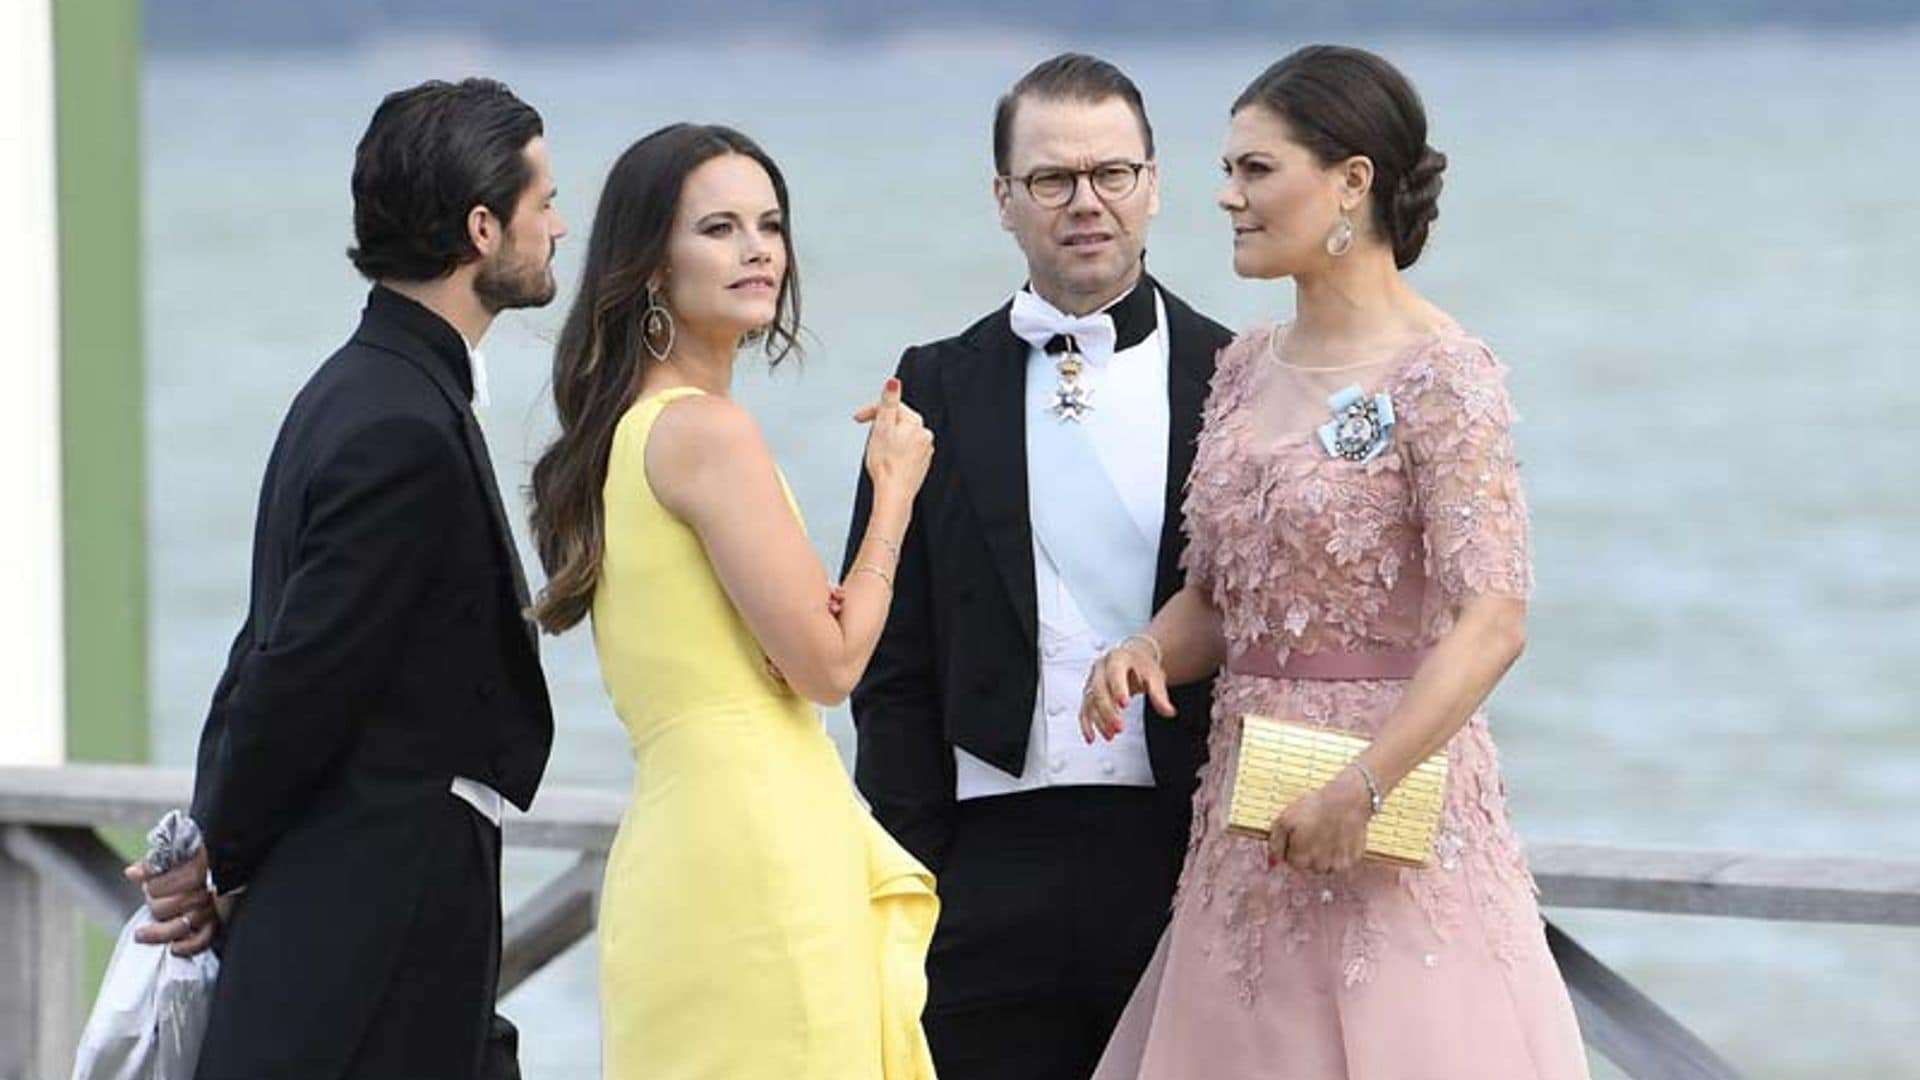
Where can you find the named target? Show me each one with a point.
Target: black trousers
(1052, 902)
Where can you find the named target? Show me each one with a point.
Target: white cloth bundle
(153, 1005)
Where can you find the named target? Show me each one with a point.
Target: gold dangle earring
(656, 321)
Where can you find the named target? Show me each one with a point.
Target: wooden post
(19, 974)
(40, 1017)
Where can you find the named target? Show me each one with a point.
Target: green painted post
(103, 431)
(103, 405)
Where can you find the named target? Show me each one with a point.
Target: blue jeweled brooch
(1361, 427)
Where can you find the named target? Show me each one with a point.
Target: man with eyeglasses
(1047, 531)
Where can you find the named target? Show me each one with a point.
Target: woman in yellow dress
(756, 922)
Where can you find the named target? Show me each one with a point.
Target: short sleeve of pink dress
(1458, 421)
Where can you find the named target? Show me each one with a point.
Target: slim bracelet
(1158, 656)
(1375, 801)
(869, 568)
(891, 546)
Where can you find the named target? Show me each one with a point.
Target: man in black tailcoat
(383, 697)
(1048, 530)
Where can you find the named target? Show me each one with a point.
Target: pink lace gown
(1376, 973)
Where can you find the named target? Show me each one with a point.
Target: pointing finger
(1157, 692)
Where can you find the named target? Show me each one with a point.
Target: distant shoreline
(225, 26)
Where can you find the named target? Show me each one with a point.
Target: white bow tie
(1037, 322)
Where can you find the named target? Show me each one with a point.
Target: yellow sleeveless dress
(756, 922)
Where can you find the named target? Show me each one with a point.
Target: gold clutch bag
(1281, 760)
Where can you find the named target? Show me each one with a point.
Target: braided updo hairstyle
(1342, 102)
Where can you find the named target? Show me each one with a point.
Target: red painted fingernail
(1272, 860)
(893, 384)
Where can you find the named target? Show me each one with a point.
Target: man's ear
(483, 230)
(1002, 196)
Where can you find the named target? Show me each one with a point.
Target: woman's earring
(1340, 237)
(656, 321)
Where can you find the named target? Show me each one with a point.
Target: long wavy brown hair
(598, 362)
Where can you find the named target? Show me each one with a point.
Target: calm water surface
(1696, 254)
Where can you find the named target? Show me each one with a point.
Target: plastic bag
(153, 1005)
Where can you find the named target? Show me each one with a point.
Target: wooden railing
(54, 868)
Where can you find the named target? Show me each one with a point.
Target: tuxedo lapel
(503, 531)
(987, 432)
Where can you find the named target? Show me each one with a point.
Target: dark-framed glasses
(1053, 186)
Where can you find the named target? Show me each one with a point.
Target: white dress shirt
(1128, 428)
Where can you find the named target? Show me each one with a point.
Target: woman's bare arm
(709, 465)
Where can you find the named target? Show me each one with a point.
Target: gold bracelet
(891, 546)
(869, 568)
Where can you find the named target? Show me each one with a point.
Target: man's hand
(185, 913)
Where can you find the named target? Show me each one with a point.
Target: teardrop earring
(656, 321)
(1340, 237)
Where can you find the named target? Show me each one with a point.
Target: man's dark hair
(430, 155)
(1067, 77)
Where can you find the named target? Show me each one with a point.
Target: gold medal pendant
(1071, 401)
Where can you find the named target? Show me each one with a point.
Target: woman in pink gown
(1367, 571)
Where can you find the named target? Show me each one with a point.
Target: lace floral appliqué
(1305, 549)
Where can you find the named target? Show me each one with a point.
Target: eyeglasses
(1054, 188)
